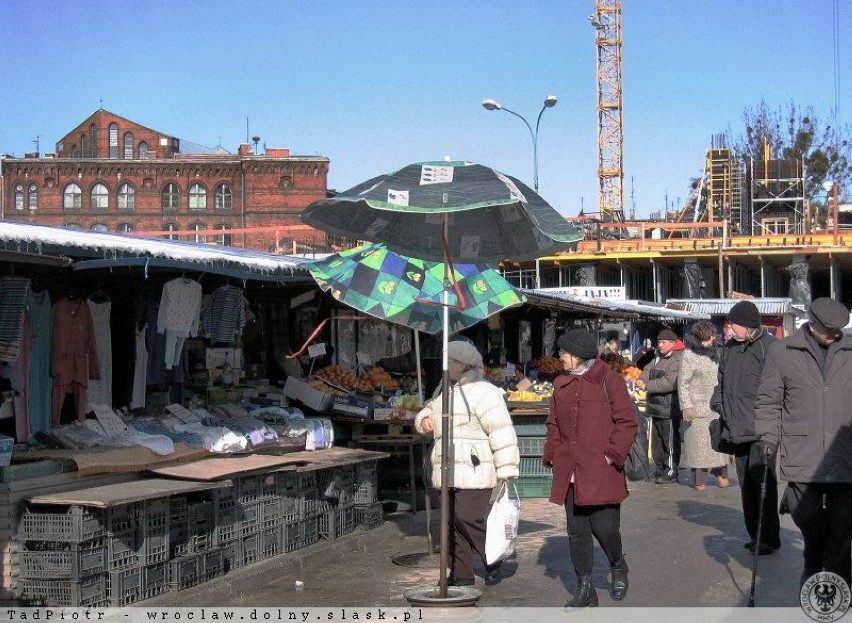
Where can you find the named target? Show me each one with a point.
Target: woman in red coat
(590, 428)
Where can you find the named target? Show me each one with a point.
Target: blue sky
(375, 85)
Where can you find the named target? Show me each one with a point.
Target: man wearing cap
(740, 366)
(659, 379)
(804, 408)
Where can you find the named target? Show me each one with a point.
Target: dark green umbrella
(489, 216)
(408, 291)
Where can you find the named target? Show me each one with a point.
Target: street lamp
(549, 102)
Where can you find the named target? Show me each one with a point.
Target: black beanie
(580, 343)
(745, 314)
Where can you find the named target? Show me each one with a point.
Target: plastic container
(65, 561)
(90, 591)
(124, 587)
(73, 524)
(155, 580)
(186, 571)
(531, 446)
(334, 523)
(530, 425)
(531, 466)
(369, 516)
(533, 486)
(6, 445)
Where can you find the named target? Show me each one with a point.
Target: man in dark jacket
(740, 367)
(805, 405)
(659, 379)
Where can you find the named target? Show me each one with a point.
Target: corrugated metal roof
(609, 308)
(720, 307)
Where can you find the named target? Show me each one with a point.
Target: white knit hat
(465, 353)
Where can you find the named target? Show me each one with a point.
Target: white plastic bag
(501, 528)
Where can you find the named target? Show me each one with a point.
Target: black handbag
(717, 440)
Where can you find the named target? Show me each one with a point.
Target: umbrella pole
(446, 431)
(419, 367)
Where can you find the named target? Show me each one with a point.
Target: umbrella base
(457, 597)
(419, 559)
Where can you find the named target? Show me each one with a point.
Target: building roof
(86, 249)
(720, 307)
(608, 308)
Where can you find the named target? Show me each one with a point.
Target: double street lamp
(549, 102)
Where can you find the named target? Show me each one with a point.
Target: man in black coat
(734, 399)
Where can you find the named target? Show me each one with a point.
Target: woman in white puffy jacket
(484, 452)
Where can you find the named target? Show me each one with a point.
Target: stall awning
(720, 307)
(91, 249)
(608, 308)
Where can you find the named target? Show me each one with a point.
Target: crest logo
(825, 597)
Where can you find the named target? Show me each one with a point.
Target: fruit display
(546, 365)
(631, 373)
(539, 392)
(375, 377)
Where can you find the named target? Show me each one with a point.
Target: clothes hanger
(100, 293)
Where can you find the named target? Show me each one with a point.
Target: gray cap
(829, 313)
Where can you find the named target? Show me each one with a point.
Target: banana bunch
(525, 396)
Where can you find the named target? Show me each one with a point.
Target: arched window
(197, 227)
(224, 238)
(170, 197)
(128, 145)
(197, 197)
(74, 152)
(124, 228)
(113, 141)
(32, 197)
(19, 196)
(223, 197)
(72, 197)
(126, 197)
(100, 227)
(99, 197)
(169, 227)
(73, 226)
(143, 151)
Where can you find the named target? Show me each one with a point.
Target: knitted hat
(829, 313)
(464, 352)
(667, 334)
(580, 343)
(745, 314)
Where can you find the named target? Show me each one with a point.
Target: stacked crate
(194, 554)
(368, 510)
(535, 479)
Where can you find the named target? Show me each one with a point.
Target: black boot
(586, 595)
(618, 589)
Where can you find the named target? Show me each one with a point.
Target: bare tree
(795, 132)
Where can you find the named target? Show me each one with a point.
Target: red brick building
(112, 174)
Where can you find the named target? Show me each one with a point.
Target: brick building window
(84, 145)
(170, 227)
(223, 197)
(32, 197)
(224, 238)
(72, 197)
(143, 150)
(128, 145)
(100, 227)
(113, 141)
(99, 197)
(73, 226)
(198, 227)
(197, 197)
(124, 228)
(19, 196)
(93, 132)
(126, 197)
(170, 197)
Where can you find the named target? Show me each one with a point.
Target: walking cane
(759, 530)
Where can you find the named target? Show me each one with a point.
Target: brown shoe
(723, 482)
(699, 487)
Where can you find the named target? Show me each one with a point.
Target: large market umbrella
(409, 291)
(490, 216)
(444, 211)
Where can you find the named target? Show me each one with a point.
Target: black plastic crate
(229, 514)
(124, 587)
(90, 591)
(124, 549)
(65, 561)
(289, 484)
(214, 564)
(155, 580)
(232, 555)
(249, 549)
(293, 535)
(337, 484)
(366, 492)
(269, 513)
(310, 530)
(308, 481)
(186, 571)
(250, 521)
(68, 524)
(334, 523)
(369, 516)
(311, 504)
(271, 542)
(248, 489)
(156, 531)
(124, 517)
(268, 486)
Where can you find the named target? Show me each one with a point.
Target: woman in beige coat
(484, 452)
(696, 381)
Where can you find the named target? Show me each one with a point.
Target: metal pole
(836, 210)
(446, 432)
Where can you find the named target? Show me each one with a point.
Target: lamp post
(549, 102)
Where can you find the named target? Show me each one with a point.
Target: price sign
(364, 359)
(510, 370)
(182, 413)
(113, 425)
(316, 350)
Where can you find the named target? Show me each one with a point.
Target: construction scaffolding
(778, 204)
(724, 196)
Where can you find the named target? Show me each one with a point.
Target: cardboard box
(394, 413)
(307, 395)
(353, 407)
(217, 357)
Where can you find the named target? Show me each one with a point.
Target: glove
(688, 413)
(765, 451)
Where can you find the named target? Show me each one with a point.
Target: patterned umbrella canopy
(489, 216)
(409, 291)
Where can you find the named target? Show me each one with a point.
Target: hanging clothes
(140, 370)
(38, 317)
(224, 315)
(13, 293)
(100, 390)
(180, 307)
(74, 355)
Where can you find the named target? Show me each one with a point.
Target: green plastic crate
(530, 425)
(531, 466)
(533, 486)
(531, 446)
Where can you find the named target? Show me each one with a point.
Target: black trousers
(823, 512)
(467, 529)
(750, 473)
(602, 522)
(665, 445)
